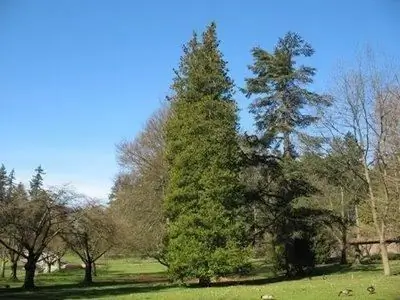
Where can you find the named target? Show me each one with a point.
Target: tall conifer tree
(204, 196)
(281, 97)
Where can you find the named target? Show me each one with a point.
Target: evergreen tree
(281, 95)
(20, 193)
(10, 185)
(36, 182)
(3, 183)
(204, 196)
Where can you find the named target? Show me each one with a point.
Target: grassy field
(134, 279)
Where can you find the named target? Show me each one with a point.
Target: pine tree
(204, 196)
(3, 183)
(36, 182)
(10, 185)
(281, 95)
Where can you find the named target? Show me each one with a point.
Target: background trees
(190, 182)
(367, 97)
(90, 235)
(30, 221)
(138, 194)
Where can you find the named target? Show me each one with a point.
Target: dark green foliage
(3, 183)
(324, 246)
(10, 185)
(204, 197)
(281, 95)
(341, 190)
(274, 194)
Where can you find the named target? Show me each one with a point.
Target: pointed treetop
(36, 182)
(3, 182)
(294, 45)
(10, 184)
(202, 70)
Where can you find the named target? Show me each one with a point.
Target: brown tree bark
(94, 269)
(343, 256)
(384, 256)
(58, 264)
(3, 269)
(49, 267)
(204, 281)
(88, 273)
(14, 267)
(30, 269)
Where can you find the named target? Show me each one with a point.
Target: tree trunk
(379, 226)
(49, 267)
(94, 269)
(58, 264)
(30, 268)
(3, 269)
(358, 253)
(204, 281)
(358, 231)
(88, 273)
(343, 256)
(14, 267)
(384, 256)
(287, 151)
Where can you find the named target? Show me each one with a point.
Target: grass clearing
(123, 279)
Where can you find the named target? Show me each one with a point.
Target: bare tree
(4, 261)
(10, 256)
(54, 253)
(30, 224)
(362, 107)
(138, 195)
(91, 235)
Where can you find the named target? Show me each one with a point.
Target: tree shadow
(111, 284)
(320, 271)
(78, 291)
(342, 269)
(122, 283)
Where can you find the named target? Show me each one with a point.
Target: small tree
(19, 195)
(4, 260)
(54, 253)
(90, 235)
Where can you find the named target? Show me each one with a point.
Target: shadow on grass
(111, 284)
(119, 283)
(109, 276)
(342, 269)
(77, 291)
(324, 270)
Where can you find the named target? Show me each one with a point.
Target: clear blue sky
(78, 76)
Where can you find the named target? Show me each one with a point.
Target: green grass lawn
(134, 279)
